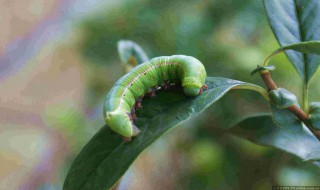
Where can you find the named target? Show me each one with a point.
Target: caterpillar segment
(126, 95)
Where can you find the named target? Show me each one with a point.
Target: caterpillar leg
(138, 104)
(152, 92)
(133, 115)
(205, 87)
(126, 139)
(165, 85)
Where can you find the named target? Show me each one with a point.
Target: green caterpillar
(127, 93)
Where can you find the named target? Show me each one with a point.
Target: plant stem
(266, 77)
(305, 97)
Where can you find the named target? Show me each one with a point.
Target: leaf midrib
(305, 68)
(302, 39)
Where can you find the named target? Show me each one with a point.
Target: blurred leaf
(294, 21)
(131, 54)
(310, 47)
(291, 136)
(106, 157)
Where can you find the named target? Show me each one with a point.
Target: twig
(266, 77)
(271, 85)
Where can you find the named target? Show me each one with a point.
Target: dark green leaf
(293, 138)
(106, 157)
(294, 21)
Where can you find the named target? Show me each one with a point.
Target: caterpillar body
(128, 91)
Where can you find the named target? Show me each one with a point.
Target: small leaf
(314, 116)
(294, 138)
(282, 98)
(106, 157)
(263, 68)
(294, 21)
(131, 54)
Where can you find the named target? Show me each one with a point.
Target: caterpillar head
(120, 123)
(191, 86)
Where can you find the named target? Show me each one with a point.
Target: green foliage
(294, 21)
(282, 98)
(106, 157)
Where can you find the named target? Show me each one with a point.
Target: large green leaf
(289, 135)
(106, 157)
(294, 21)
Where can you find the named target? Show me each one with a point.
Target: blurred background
(58, 59)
